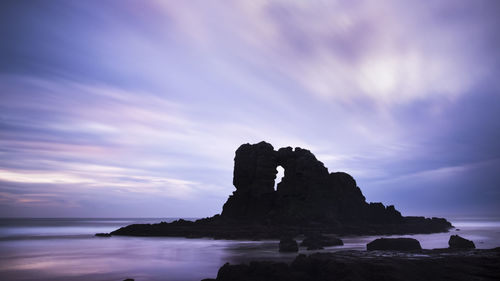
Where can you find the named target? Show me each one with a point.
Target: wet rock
(360, 266)
(288, 244)
(315, 246)
(103, 235)
(318, 241)
(394, 244)
(457, 242)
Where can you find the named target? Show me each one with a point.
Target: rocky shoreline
(437, 264)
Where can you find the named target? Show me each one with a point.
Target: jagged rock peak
(307, 192)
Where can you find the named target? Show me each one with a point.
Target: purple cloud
(121, 109)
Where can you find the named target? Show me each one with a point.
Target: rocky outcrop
(360, 266)
(457, 242)
(307, 199)
(307, 194)
(288, 244)
(394, 244)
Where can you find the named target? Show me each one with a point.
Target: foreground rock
(360, 266)
(307, 199)
(457, 242)
(287, 244)
(318, 241)
(394, 244)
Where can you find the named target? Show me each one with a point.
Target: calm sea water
(66, 249)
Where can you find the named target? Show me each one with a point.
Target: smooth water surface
(66, 249)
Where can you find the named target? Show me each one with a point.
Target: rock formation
(307, 194)
(394, 244)
(307, 199)
(458, 242)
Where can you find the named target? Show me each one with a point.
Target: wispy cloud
(386, 51)
(131, 103)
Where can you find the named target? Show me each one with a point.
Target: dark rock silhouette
(394, 244)
(308, 198)
(103, 235)
(315, 245)
(359, 266)
(287, 244)
(457, 242)
(317, 241)
(308, 194)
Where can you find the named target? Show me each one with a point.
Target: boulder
(318, 241)
(394, 244)
(457, 242)
(288, 244)
(315, 246)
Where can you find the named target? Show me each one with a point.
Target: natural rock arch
(306, 193)
(308, 199)
(279, 176)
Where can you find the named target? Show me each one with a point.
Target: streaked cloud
(106, 106)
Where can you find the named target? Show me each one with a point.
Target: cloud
(384, 51)
(149, 103)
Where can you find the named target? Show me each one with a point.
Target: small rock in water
(457, 242)
(129, 279)
(103, 235)
(287, 244)
(315, 245)
(394, 244)
(318, 241)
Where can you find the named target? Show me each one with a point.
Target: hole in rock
(279, 176)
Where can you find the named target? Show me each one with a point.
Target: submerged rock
(288, 244)
(457, 242)
(394, 244)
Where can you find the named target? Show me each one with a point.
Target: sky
(135, 108)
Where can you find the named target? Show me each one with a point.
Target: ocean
(66, 249)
